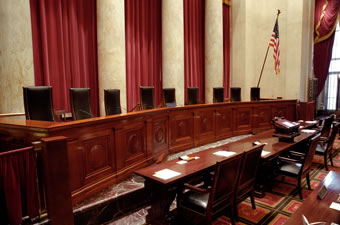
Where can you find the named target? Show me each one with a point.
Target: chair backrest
(38, 103)
(192, 95)
(218, 94)
(310, 153)
(235, 94)
(169, 96)
(225, 180)
(146, 97)
(327, 124)
(80, 103)
(249, 168)
(112, 101)
(331, 138)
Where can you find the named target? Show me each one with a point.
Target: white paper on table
(264, 153)
(308, 131)
(182, 162)
(314, 121)
(166, 174)
(224, 153)
(335, 206)
(301, 127)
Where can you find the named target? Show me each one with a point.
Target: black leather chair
(218, 94)
(297, 164)
(112, 101)
(146, 96)
(200, 205)
(38, 103)
(246, 183)
(169, 96)
(193, 96)
(325, 148)
(235, 94)
(80, 103)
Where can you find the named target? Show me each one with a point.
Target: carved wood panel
(223, 122)
(160, 139)
(287, 111)
(76, 165)
(262, 117)
(181, 131)
(242, 118)
(205, 126)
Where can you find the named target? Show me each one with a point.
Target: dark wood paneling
(242, 118)
(204, 127)
(160, 135)
(223, 118)
(262, 117)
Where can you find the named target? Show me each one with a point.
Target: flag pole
(265, 58)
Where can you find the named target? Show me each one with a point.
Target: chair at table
(80, 103)
(193, 96)
(112, 101)
(326, 126)
(297, 164)
(38, 103)
(325, 148)
(218, 94)
(169, 96)
(200, 206)
(246, 183)
(146, 96)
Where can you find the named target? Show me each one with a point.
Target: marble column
(213, 48)
(16, 54)
(173, 47)
(111, 49)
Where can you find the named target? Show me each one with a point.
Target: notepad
(182, 162)
(224, 153)
(264, 153)
(308, 131)
(166, 174)
(335, 206)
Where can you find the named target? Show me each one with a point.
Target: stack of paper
(308, 131)
(264, 153)
(224, 153)
(166, 174)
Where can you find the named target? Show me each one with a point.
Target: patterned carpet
(277, 205)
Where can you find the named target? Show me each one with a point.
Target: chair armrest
(297, 153)
(196, 189)
(288, 160)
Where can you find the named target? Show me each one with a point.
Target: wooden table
(163, 192)
(316, 210)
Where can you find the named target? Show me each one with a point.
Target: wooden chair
(326, 126)
(218, 94)
(169, 97)
(192, 95)
(147, 97)
(297, 164)
(80, 103)
(112, 101)
(38, 103)
(246, 183)
(200, 206)
(325, 148)
(235, 93)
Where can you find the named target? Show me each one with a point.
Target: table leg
(161, 198)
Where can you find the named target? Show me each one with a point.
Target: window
(333, 79)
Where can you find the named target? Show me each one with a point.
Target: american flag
(275, 43)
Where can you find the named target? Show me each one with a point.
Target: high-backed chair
(112, 101)
(192, 95)
(146, 96)
(326, 127)
(38, 103)
(218, 94)
(169, 96)
(297, 164)
(247, 177)
(325, 148)
(235, 94)
(200, 206)
(80, 103)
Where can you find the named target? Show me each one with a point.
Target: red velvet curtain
(65, 48)
(194, 15)
(18, 186)
(326, 14)
(226, 49)
(143, 40)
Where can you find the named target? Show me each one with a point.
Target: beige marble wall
(213, 48)
(250, 38)
(111, 49)
(173, 47)
(16, 54)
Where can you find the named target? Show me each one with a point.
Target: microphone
(87, 113)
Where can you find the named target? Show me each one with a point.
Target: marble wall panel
(16, 54)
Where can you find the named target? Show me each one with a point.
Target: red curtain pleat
(194, 76)
(65, 48)
(324, 22)
(18, 187)
(143, 40)
(226, 49)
